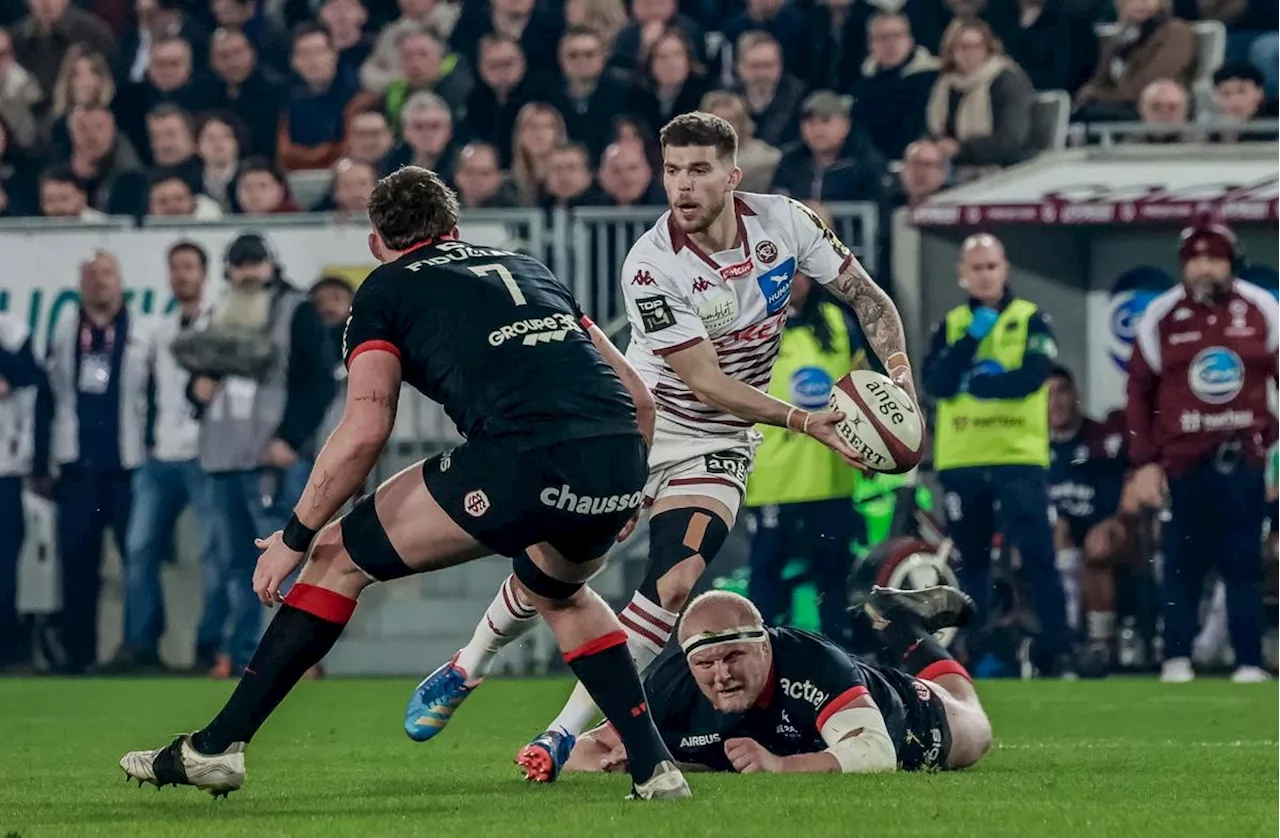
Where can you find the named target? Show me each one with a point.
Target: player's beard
(703, 220)
(1208, 284)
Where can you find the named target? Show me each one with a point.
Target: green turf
(1114, 758)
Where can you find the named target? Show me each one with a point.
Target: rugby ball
(880, 421)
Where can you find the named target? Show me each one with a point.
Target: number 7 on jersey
(506, 277)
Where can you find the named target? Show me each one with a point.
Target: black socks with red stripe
(917, 651)
(310, 621)
(605, 668)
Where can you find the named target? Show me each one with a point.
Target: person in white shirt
(706, 292)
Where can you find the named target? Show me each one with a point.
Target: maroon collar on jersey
(681, 240)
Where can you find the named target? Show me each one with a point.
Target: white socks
(649, 626)
(506, 619)
(1069, 560)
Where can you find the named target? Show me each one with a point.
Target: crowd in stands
(199, 109)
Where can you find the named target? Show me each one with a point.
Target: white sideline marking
(1106, 744)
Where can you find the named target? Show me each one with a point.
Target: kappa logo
(701, 284)
(766, 252)
(643, 278)
(476, 503)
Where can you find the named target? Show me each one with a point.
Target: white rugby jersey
(678, 295)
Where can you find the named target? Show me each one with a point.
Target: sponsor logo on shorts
(535, 330)
(476, 503)
(922, 691)
(699, 740)
(564, 499)
(730, 465)
(446, 460)
(655, 314)
(803, 691)
(766, 252)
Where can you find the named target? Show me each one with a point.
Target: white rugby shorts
(714, 466)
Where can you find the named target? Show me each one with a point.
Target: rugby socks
(310, 621)
(1068, 562)
(648, 627)
(920, 653)
(605, 668)
(506, 619)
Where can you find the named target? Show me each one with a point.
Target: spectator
(218, 143)
(106, 163)
(265, 37)
(829, 163)
(170, 196)
(156, 20)
(254, 94)
(1150, 45)
(62, 196)
(672, 81)
(345, 21)
(98, 364)
(504, 87)
(168, 481)
(18, 170)
(892, 94)
(1041, 43)
(1238, 96)
(568, 183)
(649, 20)
(83, 80)
(537, 32)
(773, 99)
(604, 17)
(980, 109)
(427, 126)
(1164, 102)
(41, 39)
(836, 42)
(349, 189)
(631, 127)
(314, 122)
(539, 129)
(332, 296)
(19, 92)
(260, 189)
(588, 98)
(20, 375)
(382, 67)
(423, 70)
(256, 437)
(171, 136)
(626, 178)
(785, 23)
(169, 80)
(757, 159)
(923, 174)
(479, 179)
(369, 139)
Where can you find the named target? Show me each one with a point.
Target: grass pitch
(1112, 758)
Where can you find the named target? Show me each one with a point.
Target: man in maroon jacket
(1199, 427)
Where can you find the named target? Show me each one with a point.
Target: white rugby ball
(880, 421)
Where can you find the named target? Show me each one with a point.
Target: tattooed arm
(880, 321)
(373, 393)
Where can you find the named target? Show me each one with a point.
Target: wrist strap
(804, 427)
(297, 535)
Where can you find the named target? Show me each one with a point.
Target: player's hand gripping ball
(881, 422)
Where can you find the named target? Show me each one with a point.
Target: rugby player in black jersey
(750, 698)
(545, 403)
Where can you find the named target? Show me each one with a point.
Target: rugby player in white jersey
(706, 291)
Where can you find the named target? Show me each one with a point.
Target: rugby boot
(434, 701)
(936, 607)
(180, 764)
(666, 783)
(542, 759)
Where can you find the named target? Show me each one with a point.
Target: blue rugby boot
(434, 701)
(543, 758)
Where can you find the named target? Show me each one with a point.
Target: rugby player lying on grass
(749, 698)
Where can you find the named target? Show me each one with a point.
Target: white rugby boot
(666, 783)
(1177, 671)
(1250, 675)
(179, 764)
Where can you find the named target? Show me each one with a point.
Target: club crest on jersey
(766, 252)
(776, 285)
(737, 271)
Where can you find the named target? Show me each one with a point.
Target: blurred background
(140, 140)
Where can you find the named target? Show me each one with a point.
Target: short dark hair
(412, 205)
(164, 110)
(61, 173)
(700, 128)
(303, 30)
(227, 118)
(331, 281)
(188, 246)
(166, 174)
(1238, 70)
(574, 147)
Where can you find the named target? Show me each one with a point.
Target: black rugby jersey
(812, 679)
(493, 337)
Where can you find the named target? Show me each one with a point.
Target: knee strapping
(538, 582)
(676, 535)
(366, 542)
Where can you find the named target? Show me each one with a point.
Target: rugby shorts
(575, 495)
(717, 467)
(927, 738)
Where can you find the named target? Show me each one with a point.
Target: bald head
(984, 270)
(731, 669)
(718, 611)
(1164, 102)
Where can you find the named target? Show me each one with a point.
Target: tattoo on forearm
(386, 400)
(320, 489)
(875, 311)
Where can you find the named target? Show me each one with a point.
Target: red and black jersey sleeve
(374, 320)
